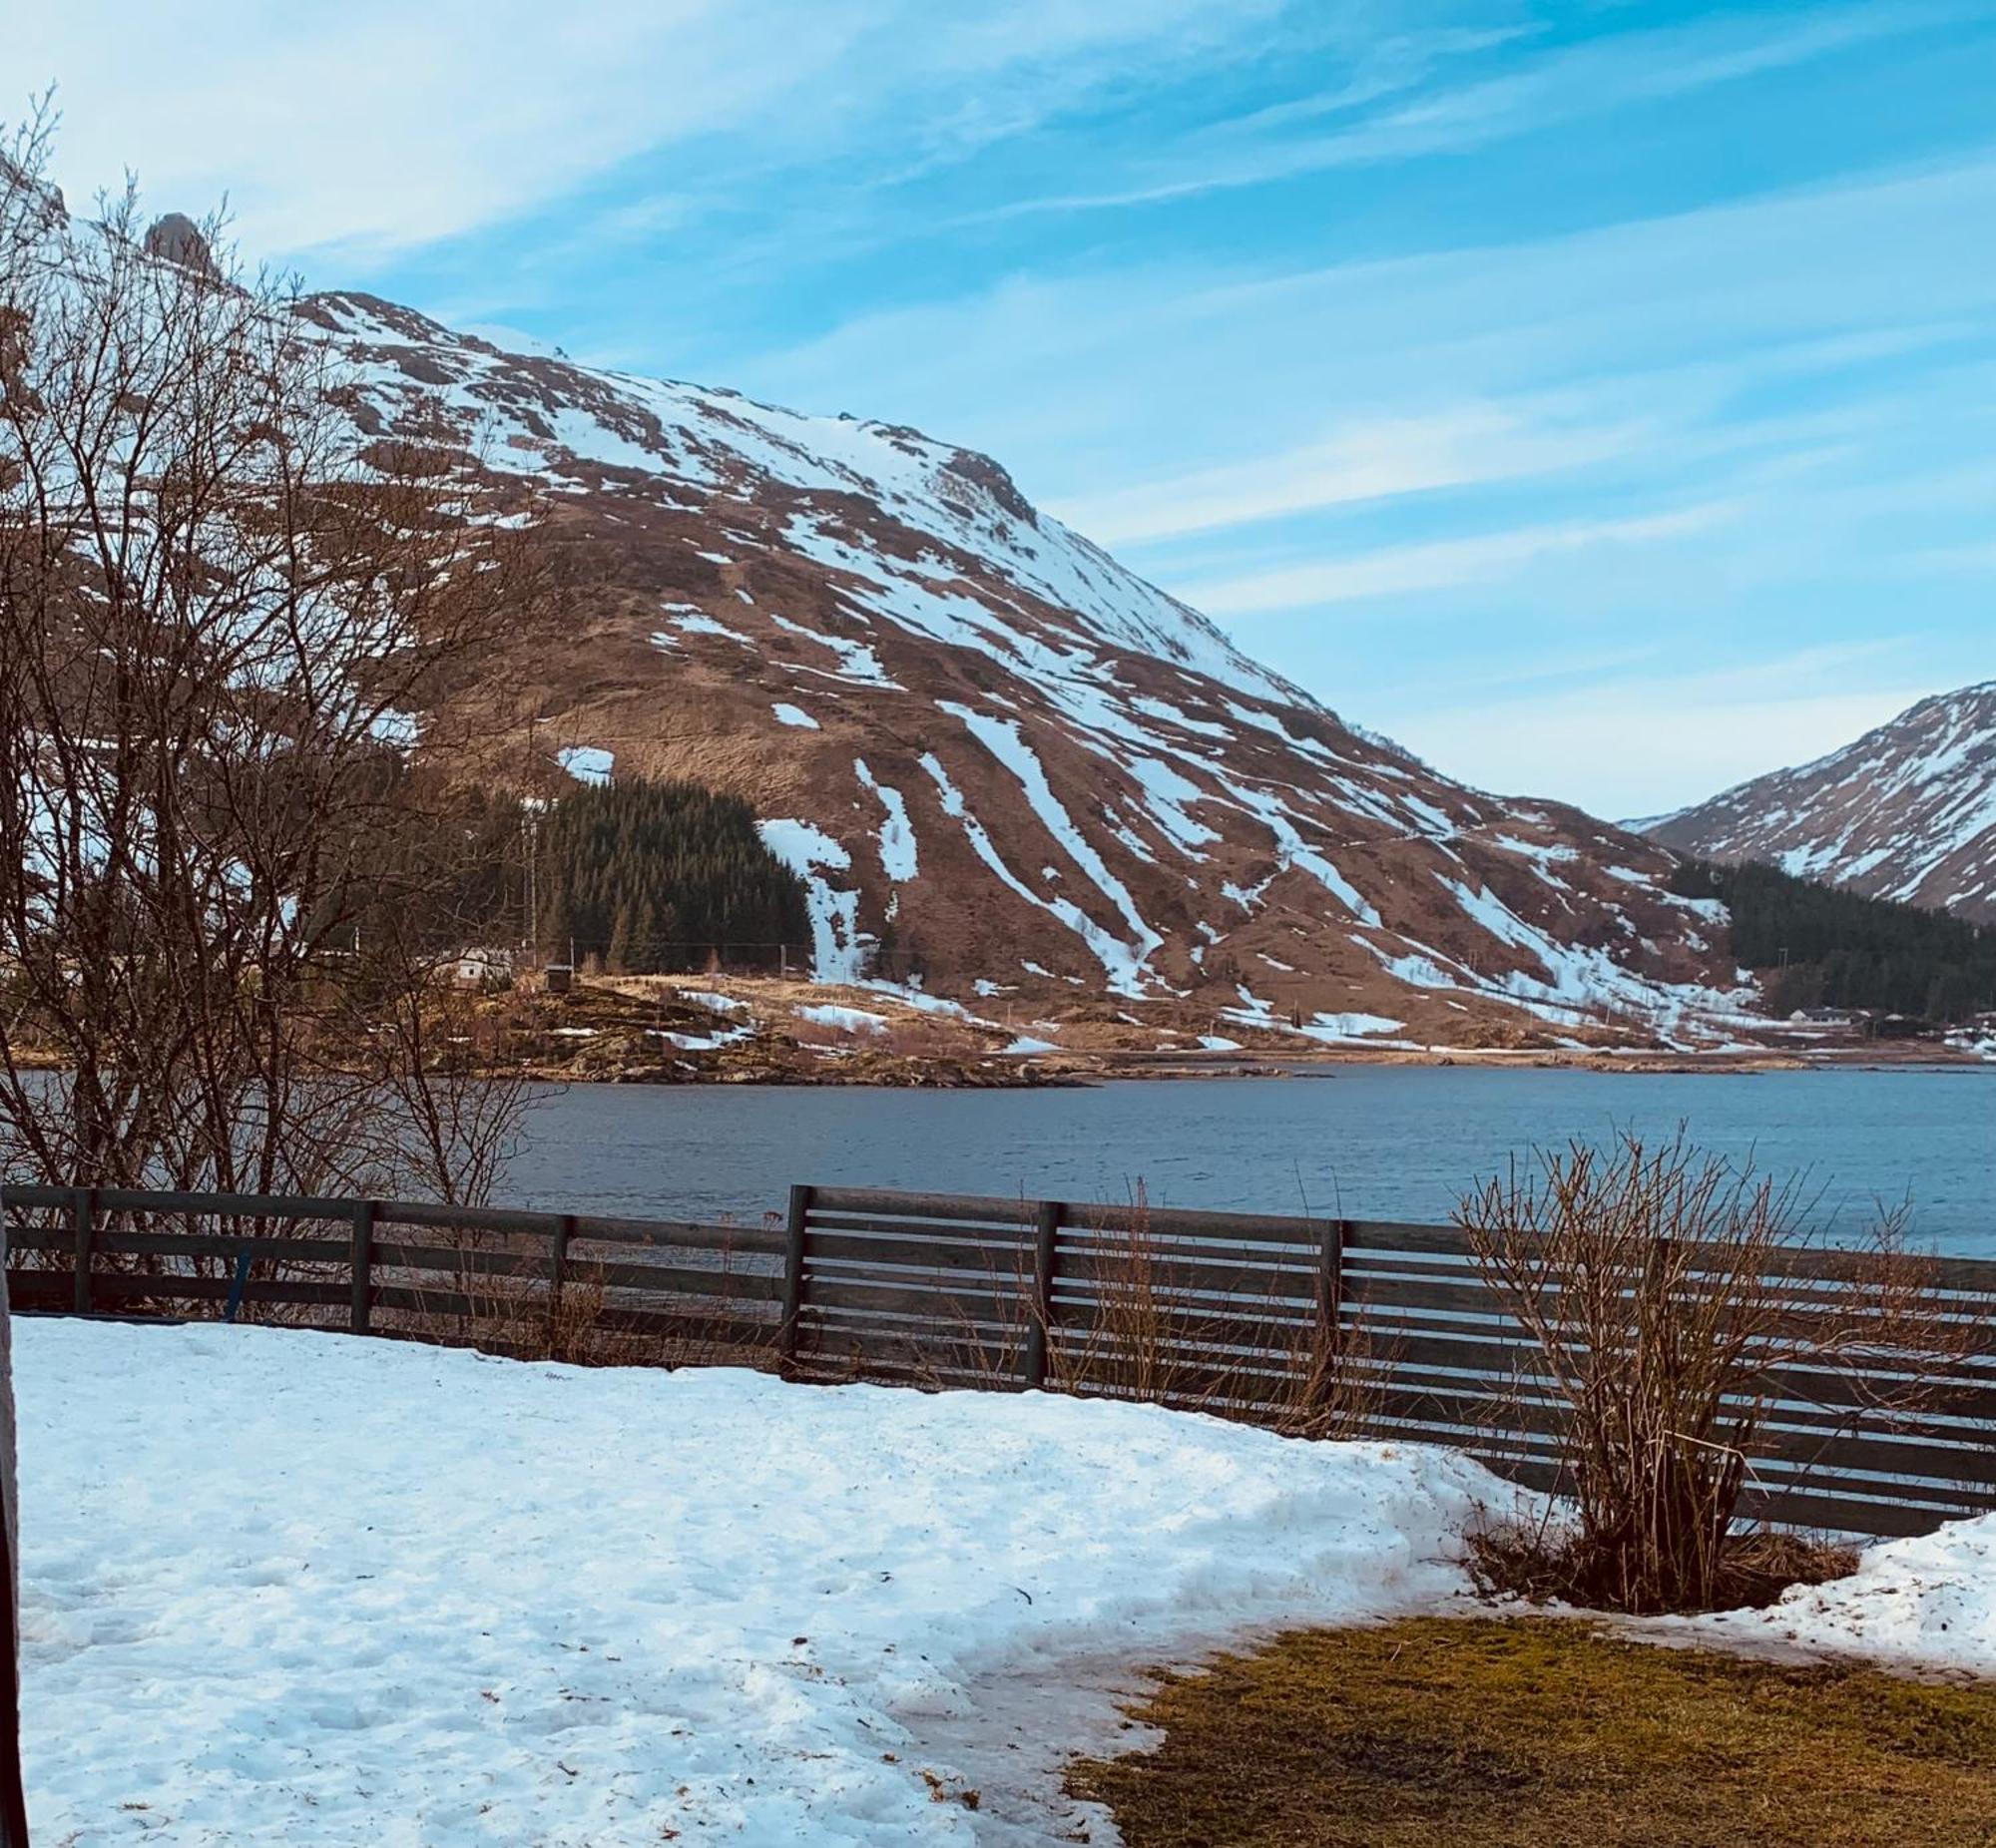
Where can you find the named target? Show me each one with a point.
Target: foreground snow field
(305, 1589)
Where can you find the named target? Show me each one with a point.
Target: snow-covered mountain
(1908, 811)
(994, 753)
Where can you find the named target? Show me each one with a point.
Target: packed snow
(1001, 738)
(303, 1589)
(900, 857)
(717, 1003)
(847, 1020)
(1124, 969)
(1926, 1603)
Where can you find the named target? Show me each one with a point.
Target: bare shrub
(497, 1292)
(1545, 1563)
(1671, 1303)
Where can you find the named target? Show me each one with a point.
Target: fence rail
(1369, 1327)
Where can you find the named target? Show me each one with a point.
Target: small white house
(483, 968)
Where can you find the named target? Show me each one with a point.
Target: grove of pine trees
(659, 876)
(1823, 946)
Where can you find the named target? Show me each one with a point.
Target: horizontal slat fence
(1361, 1326)
(573, 1286)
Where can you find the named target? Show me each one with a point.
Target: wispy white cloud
(1634, 744)
(1485, 558)
(1072, 375)
(1976, 560)
(375, 124)
(1358, 462)
(1589, 79)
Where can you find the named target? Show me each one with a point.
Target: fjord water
(1364, 1142)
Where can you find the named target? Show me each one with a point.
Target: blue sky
(1601, 398)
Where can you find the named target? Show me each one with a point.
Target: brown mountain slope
(997, 756)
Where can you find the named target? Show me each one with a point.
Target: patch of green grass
(1545, 1733)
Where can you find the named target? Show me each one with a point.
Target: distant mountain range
(1907, 812)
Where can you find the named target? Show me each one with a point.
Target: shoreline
(794, 1034)
(795, 1069)
(1038, 1071)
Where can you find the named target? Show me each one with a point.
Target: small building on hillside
(483, 967)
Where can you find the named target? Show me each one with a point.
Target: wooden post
(793, 1270)
(364, 1266)
(1329, 1303)
(84, 1213)
(1046, 1231)
(557, 1273)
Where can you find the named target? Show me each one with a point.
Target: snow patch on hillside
(1125, 971)
(838, 947)
(900, 857)
(1000, 737)
(847, 1020)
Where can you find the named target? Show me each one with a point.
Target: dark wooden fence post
(1329, 1303)
(1046, 1233)
(793, 1270)
(557, 1273)
(84, 1213)
(364, 1266)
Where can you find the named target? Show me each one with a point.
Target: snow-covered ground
(305, 1589)
(1928, 1604)
(292, 1587)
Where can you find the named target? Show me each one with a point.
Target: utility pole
(533, 930)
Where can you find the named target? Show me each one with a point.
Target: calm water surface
(1380, 1142)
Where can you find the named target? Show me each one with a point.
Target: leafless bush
(1671, 1302)
(501, 1296)
(1151, 1324)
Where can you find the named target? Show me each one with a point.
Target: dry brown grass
(1154, 1333)
(501, 1298)
(1534, 1733)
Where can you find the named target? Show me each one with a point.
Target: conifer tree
(658, 876)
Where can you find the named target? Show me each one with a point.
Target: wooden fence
(1312, 1326)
